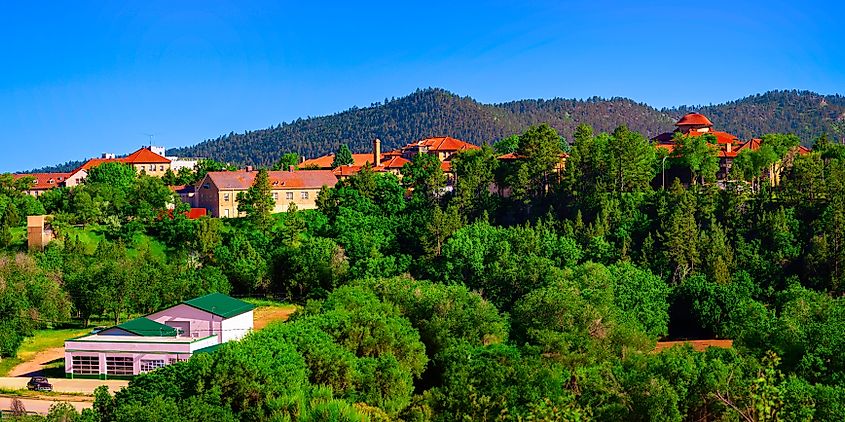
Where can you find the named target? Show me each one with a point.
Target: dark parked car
(39, 384)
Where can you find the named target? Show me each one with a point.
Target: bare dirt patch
(265, 315)
(36, 364)
(697, 345)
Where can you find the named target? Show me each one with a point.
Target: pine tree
(343, 157)
(257, 202)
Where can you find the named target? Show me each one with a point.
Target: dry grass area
(697, 345)
(265, 315)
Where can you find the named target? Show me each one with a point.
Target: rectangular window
(119, 365)
(304, 195)
(160, 168)
(148, 365)
(174, 360)
(226, 197)
(142, 168)
(289, 195)
(275, 196)
(86, 365)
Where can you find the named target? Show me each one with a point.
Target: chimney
(248, 169)
(291, 168)
(376, 152)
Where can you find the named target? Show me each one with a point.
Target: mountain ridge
(438, 112)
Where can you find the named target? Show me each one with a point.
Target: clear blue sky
(81, 78)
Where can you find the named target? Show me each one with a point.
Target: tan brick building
(218, 191)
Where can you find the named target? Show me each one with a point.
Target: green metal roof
(208, 349)
(220, 305)
(147, 327)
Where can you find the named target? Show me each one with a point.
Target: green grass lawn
(267, 302)
(41, 340)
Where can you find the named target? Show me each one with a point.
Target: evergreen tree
(257, 202)
(343, 157)
(287, 159)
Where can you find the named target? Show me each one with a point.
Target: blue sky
(81, 78)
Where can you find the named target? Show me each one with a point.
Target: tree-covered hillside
(803, 113)
(436, 112)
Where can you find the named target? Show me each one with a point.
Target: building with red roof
(42, 182)
(443, 147)
(144, 160)
(218, 191)
(729, 145)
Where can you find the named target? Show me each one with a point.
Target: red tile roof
(694, 119)
(721, 137)
(394, 162)
(195, 213)
(345, 171)
(390, 164)
(300, 179)
(325, 162)
(45, 180)
(144, 156)
(191, 214)
(443, 143)
(141, 156)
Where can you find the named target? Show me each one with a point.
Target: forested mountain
(436, 112)
(803, 113)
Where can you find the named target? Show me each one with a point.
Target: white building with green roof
(161, 338)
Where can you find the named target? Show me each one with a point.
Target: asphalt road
(39, 406)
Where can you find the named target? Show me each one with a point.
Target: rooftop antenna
(151, 136)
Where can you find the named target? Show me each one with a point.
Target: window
(289, 195)
(275, 196)
(160, 168)
(119, 365)
(225, 196)
(174, 360)
(86, 365)
(304, 195)
(143, 168)
(148, 365)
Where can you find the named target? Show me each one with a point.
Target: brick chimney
(291, 168)
(376, 152)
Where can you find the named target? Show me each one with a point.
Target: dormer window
(51, 181)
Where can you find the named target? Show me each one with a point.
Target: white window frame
(85, 365)
(120, 365)
(148, 365)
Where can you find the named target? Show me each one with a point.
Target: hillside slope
(436, 112)
(425, 113)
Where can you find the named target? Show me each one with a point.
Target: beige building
(143, 160)
(39, 231)
(218, 191)
(42, 182)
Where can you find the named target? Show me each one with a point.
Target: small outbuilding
(159, 339)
